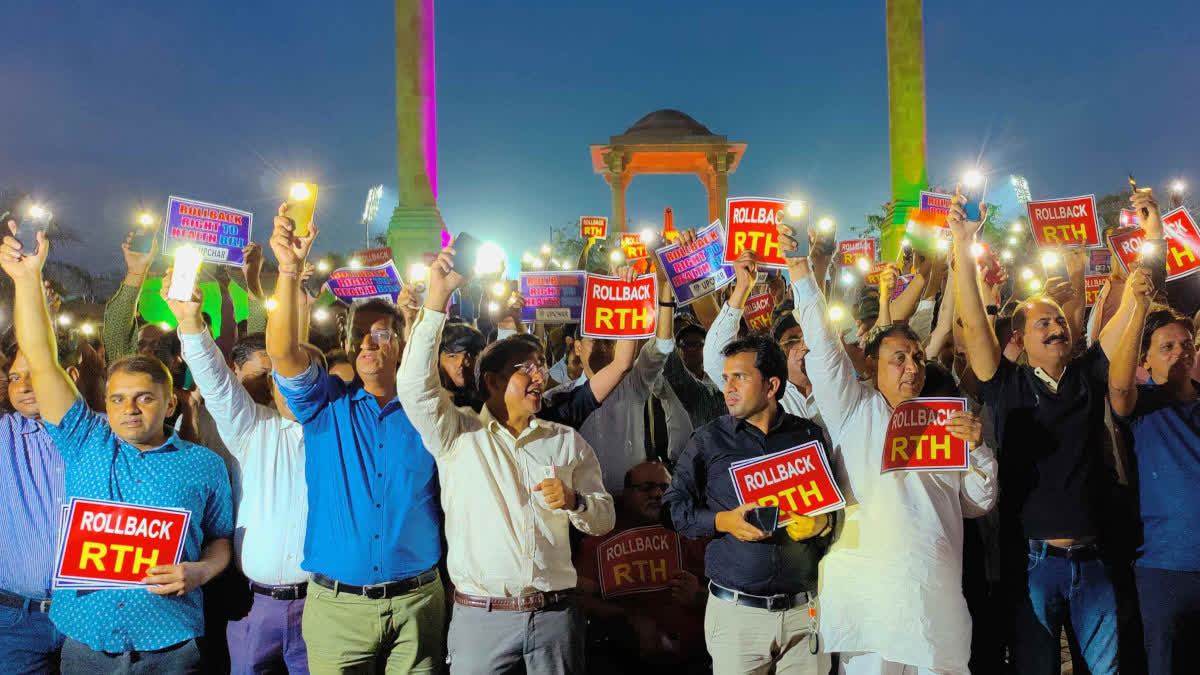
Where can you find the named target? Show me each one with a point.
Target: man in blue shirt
(1164, 417)
(125, 457)
(373, 540)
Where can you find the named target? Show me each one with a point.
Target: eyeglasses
(531, 368)
(378, 336)
(650, 487)
(787, 344)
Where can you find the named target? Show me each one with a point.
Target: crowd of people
(410, 491)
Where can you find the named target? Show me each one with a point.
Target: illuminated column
(416, 224)
(618, 177)
(906, 114)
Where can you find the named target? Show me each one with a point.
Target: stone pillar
(906, 114)
(716, 182)
(618, 177)
(416, 225)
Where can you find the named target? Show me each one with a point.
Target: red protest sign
(797, 480)
(759, 309)
(917, 439)
(373, 256)
(638, 560)
(851, 250)
(116, 543)
(872, 278)
(1183, 245)
(593, 226)
(1091, 288)
(1056, 222)
(613, 308)
(1128, 218)
(750, 224)
(632, 247)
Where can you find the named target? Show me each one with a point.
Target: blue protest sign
(552, 297)
(696, 271)
(219, 232)
(365, 283)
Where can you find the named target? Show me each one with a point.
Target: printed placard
(1127, 218)
(751, 225)
(110, 544)
(1092, 286)
(639, 560)
(219, 232)
(1183, 245)
(593, 227)
(613, 308)
(797, 480)
(695, 271)
(1059, 222)
(759, 310)
(552, 297)
(917, 439)
(1099, 261)
(365, 283)
(850, 250)
(373, 256)
(937, 205)
(633, 248)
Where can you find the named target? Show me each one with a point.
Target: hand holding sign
(734, 522)
(805, 527)
(965, 426)
(178, 579)
(684, 586)
(557, 494)
(1148, 215)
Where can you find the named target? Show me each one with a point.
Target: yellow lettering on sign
(95, 552)
(899, 447)
(121, 550)
(622, 573)
(140, 561)
(604, 318)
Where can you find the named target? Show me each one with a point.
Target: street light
(87, 329)
(546, 249)
(490, 259)
(64, 320)
(539, 263)
(1012, 241)
(320, 314)
(1049, 259)
(39, 212)
(1178, 187)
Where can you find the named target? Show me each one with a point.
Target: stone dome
(667, 122)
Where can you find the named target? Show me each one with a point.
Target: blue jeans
(1076, 589)
(180, 659)
(1170, 603)
(29, 642)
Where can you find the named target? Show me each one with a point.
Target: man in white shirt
(891, 584)
(512, 485)
(270, 493)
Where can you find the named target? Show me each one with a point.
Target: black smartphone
(800, 234)
(765, 518)
(1152, 257)
(143, 239)
(1133, 186)
(466, 253)
(7, 217)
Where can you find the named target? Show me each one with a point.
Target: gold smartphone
(302, 202)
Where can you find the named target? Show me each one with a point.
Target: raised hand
(1151, 223)
(443, 280)
(290, 250)
(252, 256)
(14, 262)
(187, 312)
(1140, 288)
(137, 264)
(887, 281)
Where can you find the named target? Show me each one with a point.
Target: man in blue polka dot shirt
(125, 457)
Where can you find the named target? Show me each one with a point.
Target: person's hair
(938, 381)
(769, 358)
(376, 306)
(690, 328)
(461, 337)
(1158, 317)
(629, 473)
(499, 355)
(140, 364)
(878, 333)
(1004, 330)
(866, 309)
(1019, 314)
(247, 346)
(69, 345)
(783, 324)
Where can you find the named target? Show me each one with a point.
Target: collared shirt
(177, 474)
(503, 539)
(892, 580)
(1047, 379)
(271, 497)
(617, 430)
(31, 499)
(702, 487)
(372, 487)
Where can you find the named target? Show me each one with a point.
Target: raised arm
(52, 387)
(605, 380)
(906, 303)
(1110, 336)
(118, 334)
(1123, 359)
(983, 350)
(283, 329)
(724, 328)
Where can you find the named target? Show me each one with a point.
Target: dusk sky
(112, 106)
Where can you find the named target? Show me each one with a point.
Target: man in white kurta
(891, 585)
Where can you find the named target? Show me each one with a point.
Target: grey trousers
(181, 658)
(550, 641)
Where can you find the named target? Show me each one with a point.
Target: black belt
(379, 591)
(772, 603)
(21, 602)
(284, 592)
(1077, 552)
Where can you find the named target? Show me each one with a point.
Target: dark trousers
(549, 641)
(181, 658)
(1170, 602)
(29, 642)
(268, 639)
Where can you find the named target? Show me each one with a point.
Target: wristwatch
(672, 305)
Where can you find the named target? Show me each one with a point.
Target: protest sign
(850, 250)
(219, 232)
(917, 439)
(593, 226)
(1092, 286)
(797, 480)
(695, 271)
(759, 311)
(1057, 222)
(937, 205)
(1099, 261)
(633, 248)
(351, 285)
(613, 308)
(373, 256)
(750, 224)
(109, 544)
(639, 560)
(1127, 218)
(552, 297)
(1183, 245)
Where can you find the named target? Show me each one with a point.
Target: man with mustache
(891, 583)
(1049, 418)
(1164, 419)
(512, 486)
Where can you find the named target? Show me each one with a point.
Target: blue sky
(112, 106)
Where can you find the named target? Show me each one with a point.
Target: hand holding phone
(1055, 265)
(302, 202)
(800, 235)
(1133, 186)
(1152, 257)
(765, 518)
(466, 254)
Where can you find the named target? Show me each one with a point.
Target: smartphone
(143, 239)
(4, 220)
(1152, 257)
(1055, 264)
(302, 202)
(765, 518)
(466, 253)
(800, 234)
(1133, 186)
